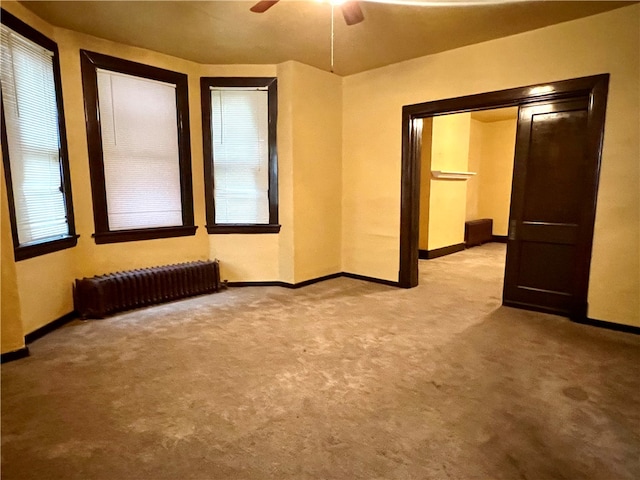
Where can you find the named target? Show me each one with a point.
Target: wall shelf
(448, 175)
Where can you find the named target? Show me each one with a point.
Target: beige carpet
(339, 380)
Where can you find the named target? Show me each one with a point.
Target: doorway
(574, 246)
(465, 179)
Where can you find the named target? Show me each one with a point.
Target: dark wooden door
(552, 205)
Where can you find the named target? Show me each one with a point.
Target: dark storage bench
(477, 232)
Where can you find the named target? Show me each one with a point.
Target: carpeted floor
(339, 380)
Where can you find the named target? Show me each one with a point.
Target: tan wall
(447, 202)
(496, 171)
(372, 113)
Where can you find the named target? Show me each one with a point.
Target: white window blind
(240, 133)
(138, 121)
(31, 119)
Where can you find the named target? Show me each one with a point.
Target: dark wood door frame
(595, 87)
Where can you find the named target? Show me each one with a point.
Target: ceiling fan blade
(352, 12)
(263, 6)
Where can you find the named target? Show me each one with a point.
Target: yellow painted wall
(317, 179)
(309, 133)
(372, 113)
(45, 283)
(286, 74)
(245, 258)
(371, 178)
(447, 203)
(92, 259)
(475, 165)
(370, 165)
(496, 171)
(311, 96)
(450, 142)
(489, 147)
(425, 182)
(11, 336)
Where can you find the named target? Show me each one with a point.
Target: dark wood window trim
(35, 249)
(90, 61)
(243, 228)
(595, 87)
(272, 88)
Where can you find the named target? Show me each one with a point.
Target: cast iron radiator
(477, 232)
(102, 295)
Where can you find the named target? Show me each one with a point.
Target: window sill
(243, 228)
(36, 249)
(133, 235)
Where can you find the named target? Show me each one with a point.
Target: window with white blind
(139, 149)
(240, 118)
(33, 142)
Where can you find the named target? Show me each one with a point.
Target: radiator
(102, 295)
(477, 232)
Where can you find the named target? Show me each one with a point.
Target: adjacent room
(314, 239)
(465, 179)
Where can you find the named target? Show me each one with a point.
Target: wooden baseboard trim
(535, 308)
(273, 283)
(355, 276)
(441, 252)
(619, 327)
(499, 238)
(582, 319)
(316, 280)
(313, 280)
(14, 355)
(49, 327)
(276, 283)
(423, 254)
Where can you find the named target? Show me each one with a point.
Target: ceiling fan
(351, 11)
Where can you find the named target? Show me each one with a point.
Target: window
(139, 150)
(239, 117)
(34, 145)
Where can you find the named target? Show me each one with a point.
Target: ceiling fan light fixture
(351, 10)
(263, 6)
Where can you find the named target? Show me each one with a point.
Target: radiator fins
(102, 295)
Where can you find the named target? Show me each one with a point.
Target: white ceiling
(226, 32)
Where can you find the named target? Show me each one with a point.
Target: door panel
(556, 155)
(534, 272)
(553, 174)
